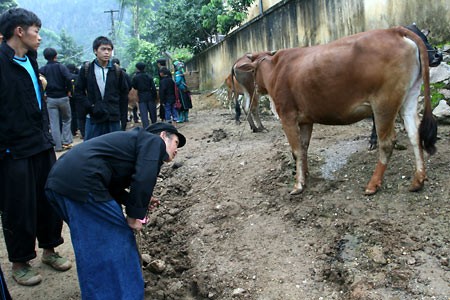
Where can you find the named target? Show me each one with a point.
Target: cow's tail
(233, 75)
(428, 125)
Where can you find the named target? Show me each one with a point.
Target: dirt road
(228, 228)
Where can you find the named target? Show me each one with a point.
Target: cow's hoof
(296, 191)
(415, 187)
(372, 146)
(370, 191)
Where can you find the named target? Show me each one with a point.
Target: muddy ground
(227, 227)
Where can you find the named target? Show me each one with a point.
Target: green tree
(68, 51)
(142, 51)
(7, 4)
(233, 15)
(184, 24)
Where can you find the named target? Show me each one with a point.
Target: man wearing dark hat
(88, 186)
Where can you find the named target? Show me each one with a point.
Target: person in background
(145, 86)
(167, 95)
(161, 63)
(59, 87)
(26, 152)
(89, 185)
(183, 92)
(102, 90)
(75, 124)
(124, 108)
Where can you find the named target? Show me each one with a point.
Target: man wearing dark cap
(88, 186)
(145, 86)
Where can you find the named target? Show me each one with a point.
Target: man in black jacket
(102, 90)
(26, 151)
(87, 186)
(145, 86)
(59, 85)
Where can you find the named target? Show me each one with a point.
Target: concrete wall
(298, 23)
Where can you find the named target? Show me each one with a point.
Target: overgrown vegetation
(178, 29)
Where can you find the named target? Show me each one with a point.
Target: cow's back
(336, 83)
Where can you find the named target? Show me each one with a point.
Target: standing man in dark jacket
(76, 124)
(102, 90)
(167, 94)
(26, 151)
(59, 86)
(145, 86)
(88, 185)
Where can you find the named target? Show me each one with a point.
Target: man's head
(171, 137)
(17, 17)
(23, 24)
(103, 48)
(50, 54)
(140, 66)
(72, 68)
(115, 61)
(161, 62)
(163, 72)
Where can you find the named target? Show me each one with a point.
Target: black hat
(157, 128)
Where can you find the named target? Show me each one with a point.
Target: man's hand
(134, 223)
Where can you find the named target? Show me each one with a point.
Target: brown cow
(345, 81)
(244, 85)
(234, 90)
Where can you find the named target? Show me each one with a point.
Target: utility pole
(113, 32)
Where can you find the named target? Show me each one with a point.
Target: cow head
(434, 55)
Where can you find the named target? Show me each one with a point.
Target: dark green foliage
(7, 4)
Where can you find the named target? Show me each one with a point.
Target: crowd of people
(101, 188)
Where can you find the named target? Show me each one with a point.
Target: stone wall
(298, 23)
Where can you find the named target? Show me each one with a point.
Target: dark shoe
(57, 262)
(26, 276)
(67, 146)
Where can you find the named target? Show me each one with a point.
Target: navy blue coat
(107, 165)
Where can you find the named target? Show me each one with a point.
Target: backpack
(116, 67)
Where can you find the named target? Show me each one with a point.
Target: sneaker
(57, 262)
(26, 276)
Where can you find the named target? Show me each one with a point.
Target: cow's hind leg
(411, 121)
(386, 139)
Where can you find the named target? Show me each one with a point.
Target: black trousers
(26, 214)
